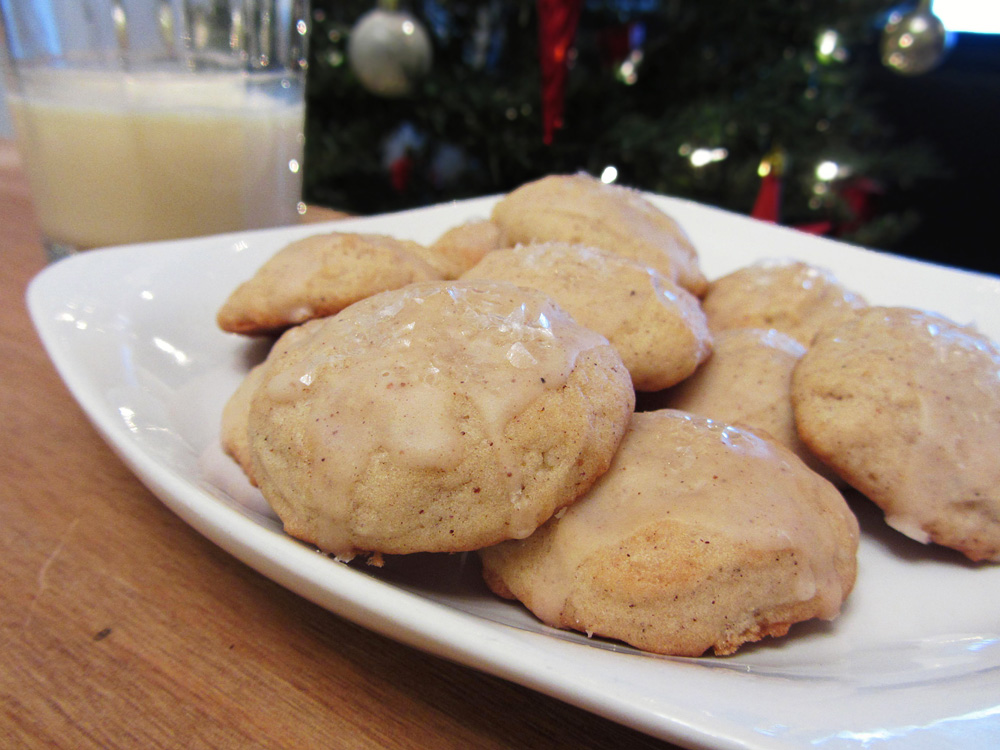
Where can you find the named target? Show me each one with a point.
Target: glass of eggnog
(144, 120)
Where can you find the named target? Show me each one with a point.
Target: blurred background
(871, 121)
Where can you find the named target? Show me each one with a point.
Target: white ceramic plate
(914, 660)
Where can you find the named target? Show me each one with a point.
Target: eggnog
(114, 157)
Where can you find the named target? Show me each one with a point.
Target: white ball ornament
(389, 51)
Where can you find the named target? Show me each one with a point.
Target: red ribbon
(557, 22)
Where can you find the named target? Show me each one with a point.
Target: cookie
(464, 245)
(701, 536)
(789, 296)
(234, 426)
(657, 327)
(747, 381)
(441, 417)
(580, 209)
(319, 276)
(905, 406)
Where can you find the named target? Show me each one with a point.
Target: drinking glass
(142, 120)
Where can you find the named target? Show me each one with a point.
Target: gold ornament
(914, 42)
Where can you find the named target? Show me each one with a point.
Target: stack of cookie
(634, 452)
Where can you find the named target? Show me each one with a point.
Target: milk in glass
(119, 157)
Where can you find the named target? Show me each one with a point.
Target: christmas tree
(719, 101)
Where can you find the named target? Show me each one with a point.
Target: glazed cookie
(701, 536)
(441, 417)
(657, 327)
(580, 209)
(233, 432)
(233, 428)
(318, 276)
(790, 296)
(747, 381)
(462, 246)
(905, 406)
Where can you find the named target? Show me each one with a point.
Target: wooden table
(122, 627)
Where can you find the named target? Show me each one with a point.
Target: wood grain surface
(122, 627)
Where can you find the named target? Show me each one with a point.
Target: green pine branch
(714, 74)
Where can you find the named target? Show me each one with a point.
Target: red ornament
(859, 195)
(557, 21)
(767, 207)
(401, 171)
